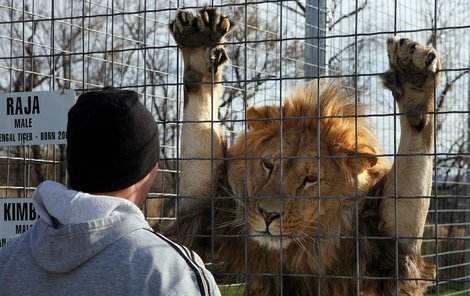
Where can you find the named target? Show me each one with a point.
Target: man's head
(112, 141)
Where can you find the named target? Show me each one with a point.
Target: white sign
(34, 118)
(16, 216)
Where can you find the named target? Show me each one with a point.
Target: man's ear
(261, 116)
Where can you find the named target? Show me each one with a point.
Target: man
(93, 239)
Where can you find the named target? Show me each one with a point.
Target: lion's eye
(309, 181)
(268, 167)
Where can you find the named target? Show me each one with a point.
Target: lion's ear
(261, 116)
(344, 147)
(348, 160)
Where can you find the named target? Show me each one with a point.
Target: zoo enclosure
(84, 45)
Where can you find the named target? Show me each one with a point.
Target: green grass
(239, 290)
(232, 290)
(446, 293)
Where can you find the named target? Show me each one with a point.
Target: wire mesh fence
(85, 45)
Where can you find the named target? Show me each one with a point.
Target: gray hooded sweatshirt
(96, 245)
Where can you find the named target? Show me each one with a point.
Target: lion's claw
(218, 56)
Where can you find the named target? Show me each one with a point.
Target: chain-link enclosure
(87, 44)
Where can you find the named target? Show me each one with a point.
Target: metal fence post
(467, 201)
(315, 32)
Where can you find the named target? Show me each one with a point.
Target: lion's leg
(200, 39)
(413, 77)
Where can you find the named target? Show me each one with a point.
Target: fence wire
(88, 44)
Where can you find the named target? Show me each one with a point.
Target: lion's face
(284, 186)
(283, 190)
(290, 187)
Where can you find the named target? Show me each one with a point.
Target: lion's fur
(301, 203)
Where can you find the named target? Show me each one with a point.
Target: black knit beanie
(112, 141)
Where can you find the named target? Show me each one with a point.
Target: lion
(304, 202)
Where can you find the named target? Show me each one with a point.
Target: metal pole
(467, 199)
(315, 31)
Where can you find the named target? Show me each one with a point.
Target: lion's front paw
(205, 29)
(201, 38)
(413, 77)
(410, 62)
(405, 55)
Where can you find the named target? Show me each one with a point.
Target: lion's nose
(268, 216)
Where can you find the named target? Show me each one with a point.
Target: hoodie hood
(75, 226)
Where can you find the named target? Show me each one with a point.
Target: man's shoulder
(155, 251)
(16, 251)
(148, 243)
(16, 244)
(154, 241)
(200, 276)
